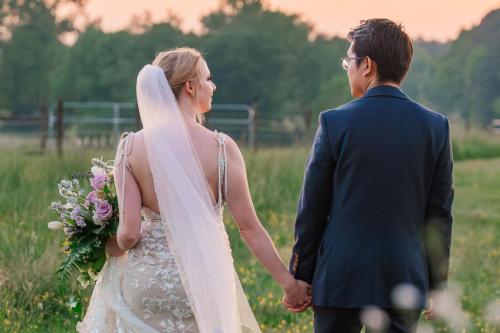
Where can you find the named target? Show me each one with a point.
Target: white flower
(69, 205)
(55, 205)
(55, 225)
(65, 183)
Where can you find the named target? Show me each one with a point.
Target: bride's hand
(428, 313)
(297, 296)
(112, 247)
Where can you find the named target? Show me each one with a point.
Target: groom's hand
(297, 296)
(297, 309)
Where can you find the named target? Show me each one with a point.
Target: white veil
(193, 227)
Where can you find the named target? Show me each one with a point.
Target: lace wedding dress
(180, 276)
(152, 287)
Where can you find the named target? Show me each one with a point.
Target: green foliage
(31, 52)
(333, 93)
(475, 148)
(461, 78)
(27, 61)
(103, 67)
(86, 251)
(69, 266)
(255, 54)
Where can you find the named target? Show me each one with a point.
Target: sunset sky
(431, 19)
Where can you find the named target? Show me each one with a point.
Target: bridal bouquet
(87, 218)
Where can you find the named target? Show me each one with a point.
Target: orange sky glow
(429, 19)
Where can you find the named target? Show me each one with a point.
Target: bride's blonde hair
(180, 65)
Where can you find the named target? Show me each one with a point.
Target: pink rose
(98, 181)
(103, 211)
(91, 198)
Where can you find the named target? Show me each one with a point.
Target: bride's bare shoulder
(137, 148)
(233, 151)
(230, 143)
(137, 140)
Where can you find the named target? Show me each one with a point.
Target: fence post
(308, 117)
(253, 125)
(44, 126)
(51, 119)
(59, 126)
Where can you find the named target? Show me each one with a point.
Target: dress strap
(222, 167)
(123, 150)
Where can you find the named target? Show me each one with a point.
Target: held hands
(297, 296)
(428, 313)
(112, 248)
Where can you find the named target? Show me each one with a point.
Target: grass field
(30, 253)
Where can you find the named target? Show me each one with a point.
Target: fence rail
(97, 124)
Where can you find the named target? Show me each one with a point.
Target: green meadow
(30, 252)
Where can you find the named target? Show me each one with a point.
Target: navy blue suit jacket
(375, 207)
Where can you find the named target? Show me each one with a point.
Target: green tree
(466, 77)
(333, 93)
(270, 56)
(103, 66)
(30, 51)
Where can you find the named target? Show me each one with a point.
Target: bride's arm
(251, 230)
(130, 226)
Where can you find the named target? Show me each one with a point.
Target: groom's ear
(369, 67)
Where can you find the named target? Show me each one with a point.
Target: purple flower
(98, 181)
(75, 212)
(97, 170)
(91, 198)
(80, 222)
(103, 211)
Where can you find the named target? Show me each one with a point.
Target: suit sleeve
(314, 205)
(439, 219)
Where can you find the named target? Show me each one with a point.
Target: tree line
(255, 55)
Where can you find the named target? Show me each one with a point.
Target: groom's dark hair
(386, 43)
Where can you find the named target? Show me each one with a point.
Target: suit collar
(385, 90)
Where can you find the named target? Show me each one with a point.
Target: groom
(373, 227)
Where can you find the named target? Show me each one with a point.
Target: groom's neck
(375, 83)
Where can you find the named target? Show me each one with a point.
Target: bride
(170, 267)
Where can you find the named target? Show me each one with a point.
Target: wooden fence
(99, 124)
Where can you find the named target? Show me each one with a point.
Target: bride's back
(206, 147)
(190, 80)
